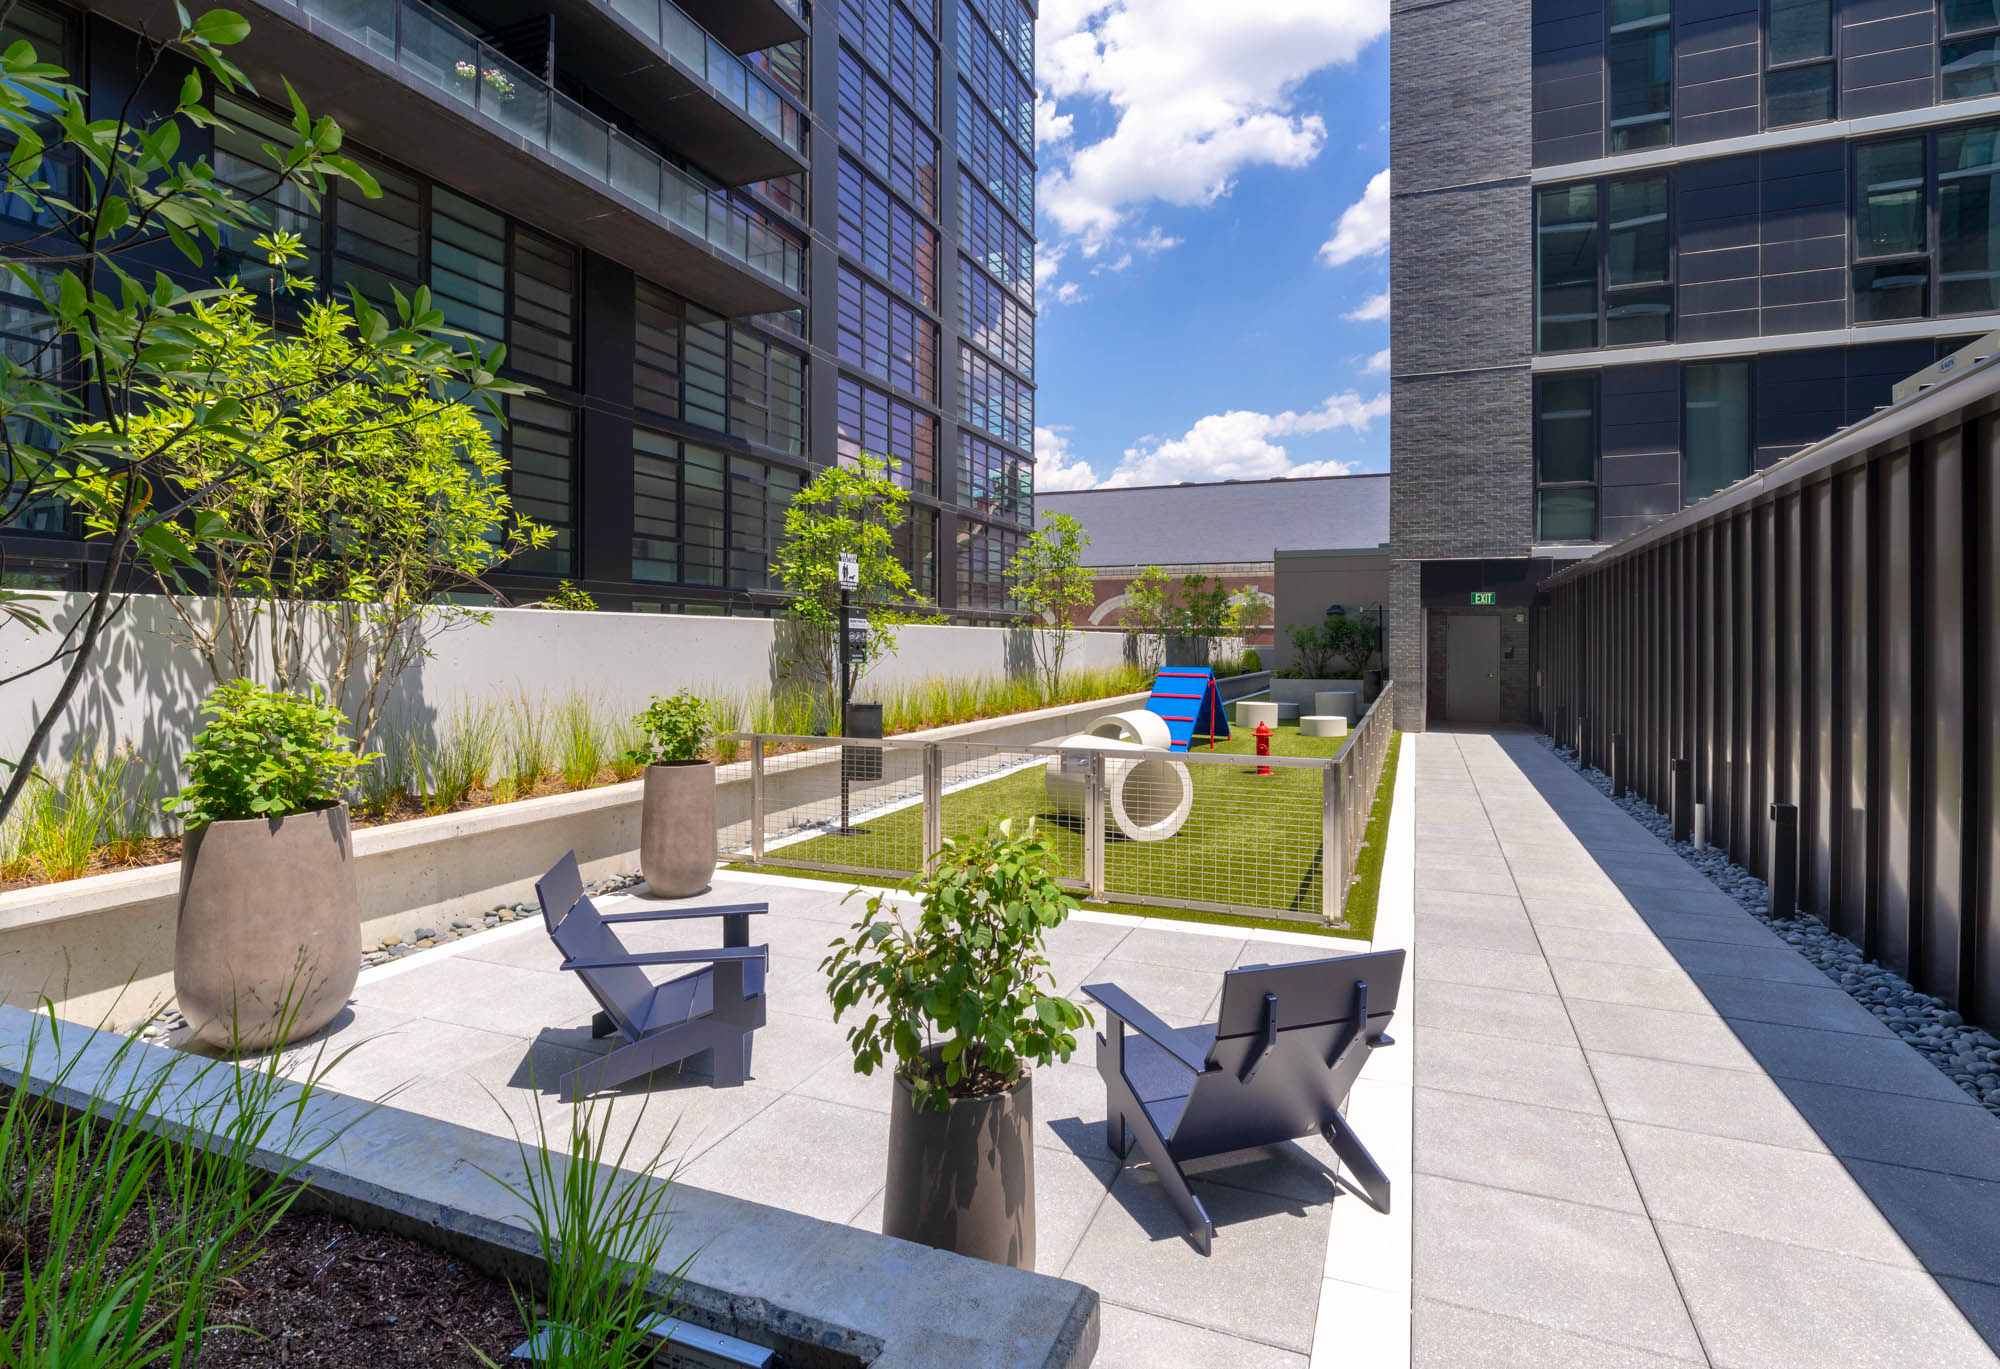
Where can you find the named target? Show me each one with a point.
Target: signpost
(853, 649)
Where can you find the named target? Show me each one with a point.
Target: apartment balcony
(747, 25)
(679, 82)
(403, 80)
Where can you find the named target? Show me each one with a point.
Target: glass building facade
(798, 234)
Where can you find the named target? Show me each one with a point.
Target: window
(1715, 427)
(995, 321)
(984, 553)
(994, 161)
(702, 518)
(887, 35)
(767, 391)
(1566, 459)
(656, 507)
(871, 422)
(995, 241)
(1969, 57)
(990, 398)
(1641, 61)
(704, 498)
(469, 265)
(542, 308)
(1013, 26)
(378, 244)
(758, 495)
(888, 137)
(241, 133)
(886, 236)
(656, 351)
(705, 369)
(1566, 268)
(541, 460)
(1798, 80)
(915, 545)
(993, 78)
(1891, 248)
(994, 481)
(1968, 192)
(884, 336)
(1638, 297)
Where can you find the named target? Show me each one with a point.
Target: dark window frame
(1608, 294)
(1749, 365)
(1594, 483)
(1830, 62)
(1663, 118)
(1964, 39)
(1860, 260)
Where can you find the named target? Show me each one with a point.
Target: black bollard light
(1683, 799)
(1781, 881)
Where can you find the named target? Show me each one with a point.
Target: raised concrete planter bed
(1344, 702)
(826, 1296)
(81, 941)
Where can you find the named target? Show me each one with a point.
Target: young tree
(1205, 607)
(854, 509)
(1050, 579)
(1149, 612)
(106, 187)
(1249, 609)
(359, 501)
(1353, 640)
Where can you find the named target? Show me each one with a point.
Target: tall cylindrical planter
(963, 1178)
(268, 939)
(677, 828)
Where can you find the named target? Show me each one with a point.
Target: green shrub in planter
(265, 754)
(673, 731)
(968, 978)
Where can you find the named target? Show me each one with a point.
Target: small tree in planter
(268, 938)
(1354, 642)
(677, 813)
(1050, 579)
(958, 1002)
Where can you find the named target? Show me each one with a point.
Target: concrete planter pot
(267, 938)
(963, 1178)
(677, 828)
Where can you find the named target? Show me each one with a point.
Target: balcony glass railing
(688, 42)
(461, 68)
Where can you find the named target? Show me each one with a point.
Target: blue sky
(1213, 208)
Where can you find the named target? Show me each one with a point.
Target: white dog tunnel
(1148, 797)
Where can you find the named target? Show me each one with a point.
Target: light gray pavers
(1740, 1166)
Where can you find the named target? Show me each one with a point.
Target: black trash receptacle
(862, 762)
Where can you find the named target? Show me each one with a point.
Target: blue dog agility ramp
(1188, 702)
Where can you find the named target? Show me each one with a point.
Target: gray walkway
(1647, 1132)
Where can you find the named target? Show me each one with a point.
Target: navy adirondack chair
(714, 1009)
(1276, 1065)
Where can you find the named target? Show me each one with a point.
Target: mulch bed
(330, 1295)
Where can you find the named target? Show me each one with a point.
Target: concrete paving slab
(1716, 1102)
(1759, 1303)
(1948, 1137)
(1361, 1325)
(1735, 928)
(1978, 1302)
(1428, 901)
(1641, 986)
(1150, 946)
(1130, 1339)
(1582, 1270)
(1640, 948)
(1180, 997)
(1510, 932)
(1445, 1336)
(1777, 1193)
(1552, 1152)
(1950, 1223)
(1827, 1007)
(1658, 1034)
(1882, 1063)
(1777, 962)
(1465, 964)
(1496, 1067)
(1485, 1011)
(801, 1154)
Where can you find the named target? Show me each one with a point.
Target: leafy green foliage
(1250, 661)
(570, 599)
(674, 731)
(1051, 581)
(1349, 639)
(264, 754)
(1313, 648)
(1205, 608)
(968, 977)
(856, 510)
(109, 337)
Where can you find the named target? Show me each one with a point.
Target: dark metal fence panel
(1826, 636)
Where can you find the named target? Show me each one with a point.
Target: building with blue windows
(1701, 235)
(726, 241)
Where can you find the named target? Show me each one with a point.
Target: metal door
(1472, 668)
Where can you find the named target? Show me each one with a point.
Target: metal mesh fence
(1273, 836)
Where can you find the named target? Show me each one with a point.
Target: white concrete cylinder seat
(1313, 725)
(1250, 712)
(1148, 798)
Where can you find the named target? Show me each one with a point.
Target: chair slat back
(1296, 1085)
(580, 934)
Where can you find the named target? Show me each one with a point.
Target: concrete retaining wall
(102, 947)
(145, 691)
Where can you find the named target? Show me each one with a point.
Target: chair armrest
(675, 914)
(1139, 1018)
(619, 962)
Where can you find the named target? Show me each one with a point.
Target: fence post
(1782, 879)
(1333, 848)
(1093, 826)
(756, 799)
(1682, 801)
(933, 802)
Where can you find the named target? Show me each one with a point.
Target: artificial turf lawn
(1364, 893)
(1250, 842)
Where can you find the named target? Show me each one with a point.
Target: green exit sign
(1485, 596)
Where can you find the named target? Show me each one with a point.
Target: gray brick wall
(1461, 276)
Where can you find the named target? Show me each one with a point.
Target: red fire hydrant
(1263, 745)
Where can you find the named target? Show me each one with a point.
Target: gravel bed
(1965, 1054)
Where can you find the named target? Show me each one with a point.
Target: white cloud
(1378, 365)
(1196, 91)
(1363, 230)
(1155, 241)
(1373, 309)
(1240, 444)
(1055, 468)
